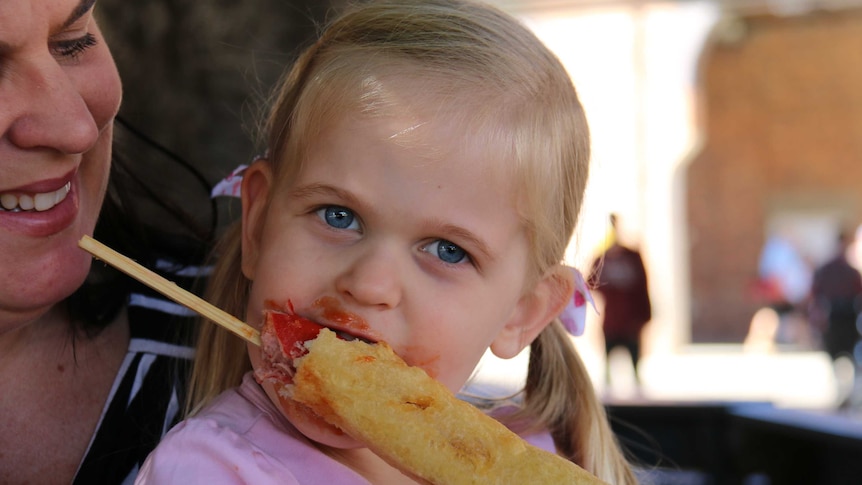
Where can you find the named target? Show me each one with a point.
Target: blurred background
(727, 139)
(717, 126)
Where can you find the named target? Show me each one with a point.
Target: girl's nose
(372, 278)
(46, 109)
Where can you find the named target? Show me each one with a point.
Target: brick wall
(781, 114)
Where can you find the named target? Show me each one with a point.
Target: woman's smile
(40, 209)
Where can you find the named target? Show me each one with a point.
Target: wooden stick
(169, 289)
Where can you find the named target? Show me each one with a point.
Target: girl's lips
(349, 336)
(345, 332)
(325, 312)
(328, 312)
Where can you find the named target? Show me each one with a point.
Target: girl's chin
(314, 427)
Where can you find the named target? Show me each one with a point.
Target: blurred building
(782, 153)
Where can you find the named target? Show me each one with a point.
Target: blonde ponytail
(221, 358)
(559, 396)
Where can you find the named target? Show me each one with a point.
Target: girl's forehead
(435, 114)
(416, 110)
(427, 133)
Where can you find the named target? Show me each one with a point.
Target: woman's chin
(50, 278)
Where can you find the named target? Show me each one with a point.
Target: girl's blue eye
(338, 217)
(447, 251)
(74, 47)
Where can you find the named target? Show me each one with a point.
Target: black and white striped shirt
(150, 388)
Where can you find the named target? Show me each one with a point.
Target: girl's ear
(256, 184)
(535, 311)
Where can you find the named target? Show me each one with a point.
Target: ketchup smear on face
(332, 312)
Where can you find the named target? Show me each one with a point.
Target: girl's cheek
(417, 356)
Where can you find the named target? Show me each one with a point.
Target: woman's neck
(54, 389)
(52, 326)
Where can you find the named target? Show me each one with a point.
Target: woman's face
(59, 92)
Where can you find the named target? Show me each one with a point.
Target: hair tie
(231, 185)
(574, 316)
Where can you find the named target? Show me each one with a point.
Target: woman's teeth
(37, 202)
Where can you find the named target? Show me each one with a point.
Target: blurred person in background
(784, 280)
(618, 275)
(833, 310)
(836, 288)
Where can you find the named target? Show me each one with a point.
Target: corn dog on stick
(415, 423)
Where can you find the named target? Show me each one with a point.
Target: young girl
(425, 171)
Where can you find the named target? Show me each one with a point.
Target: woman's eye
(447, 251)
(72, 48)
(338, 217)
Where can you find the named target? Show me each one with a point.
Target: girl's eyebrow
(461, 234)
(310, 190)
(344, 197)
(81, 10)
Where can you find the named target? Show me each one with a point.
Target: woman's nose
(46, 109)
(372, 278)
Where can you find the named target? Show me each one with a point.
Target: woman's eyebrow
(83, 7)
(81, 10)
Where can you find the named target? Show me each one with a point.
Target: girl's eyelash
(320, 211)
(467, 258)
(75, 47)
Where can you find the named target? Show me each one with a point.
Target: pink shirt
(243, 438)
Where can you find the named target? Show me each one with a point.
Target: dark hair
(157, 207)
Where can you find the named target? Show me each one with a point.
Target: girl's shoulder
(222, 444)
(241, 438)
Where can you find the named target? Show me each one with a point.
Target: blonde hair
(506, 87)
